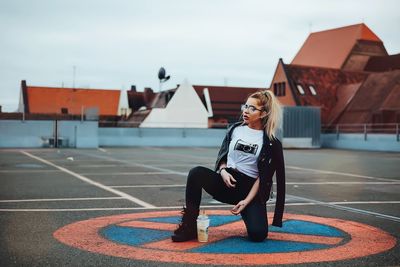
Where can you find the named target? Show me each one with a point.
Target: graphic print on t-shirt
(246, 147)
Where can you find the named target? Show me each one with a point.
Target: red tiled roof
(380, 92)
(392, 100)
(50, 100)
(331, 48)
(344, 94)
(226, 100)
(326, 83)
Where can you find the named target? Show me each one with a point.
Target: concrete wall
(30, 134)
(160, 137)
(374, 142)
(33, 134)
(16, 133)
(79, 134)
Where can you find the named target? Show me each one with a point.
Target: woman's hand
(228, 179)
(239, 207)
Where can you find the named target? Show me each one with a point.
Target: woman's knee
(195, 172)
(258, 235)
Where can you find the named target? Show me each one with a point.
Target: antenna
(73, 76)
(162, 77)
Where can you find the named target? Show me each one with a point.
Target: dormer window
(300, 89)
(312, 90)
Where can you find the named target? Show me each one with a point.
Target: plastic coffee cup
(203, 222)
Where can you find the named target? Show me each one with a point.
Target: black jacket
(270, 161)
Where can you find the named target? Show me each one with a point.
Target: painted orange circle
(363, 240)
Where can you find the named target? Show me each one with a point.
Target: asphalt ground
(44, 190)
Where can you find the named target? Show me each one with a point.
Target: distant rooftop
(56, 100)
(331, 48)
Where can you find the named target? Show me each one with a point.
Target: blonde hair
(272, 107)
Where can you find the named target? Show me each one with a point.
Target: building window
(283, 89)
(300, 88)
(279, 89)
(312, 90)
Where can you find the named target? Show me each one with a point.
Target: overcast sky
(114, 44)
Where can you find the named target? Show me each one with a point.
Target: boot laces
(184, 223)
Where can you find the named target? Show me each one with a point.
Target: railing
(366, 128)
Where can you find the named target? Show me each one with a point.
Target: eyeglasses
(250, 108)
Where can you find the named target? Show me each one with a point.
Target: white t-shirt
(244, 148)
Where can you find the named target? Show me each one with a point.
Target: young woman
(248, 158)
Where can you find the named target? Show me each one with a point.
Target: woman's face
(252, 111)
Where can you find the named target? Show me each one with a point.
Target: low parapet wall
(373, 142)
(37, 134)
(122, 137)
(87, 134)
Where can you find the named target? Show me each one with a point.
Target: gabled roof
(50, 100)
(331, 48)
(183, 109)
(380, 92)
(226, 100)
(327, 83)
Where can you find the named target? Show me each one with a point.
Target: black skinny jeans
(255, 213)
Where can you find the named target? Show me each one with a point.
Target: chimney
(133, 88)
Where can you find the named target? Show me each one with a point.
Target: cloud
(114, 44)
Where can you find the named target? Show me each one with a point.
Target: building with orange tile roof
(345, 71)
(347, 48)
(74, 101)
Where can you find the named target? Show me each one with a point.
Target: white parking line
(364, 202)
(126, 173)
(183, 165)
(59, 199)
(202, 206)
(289, 183)
(28, 171)
(98, 166)
(111, 209)
(87, 180)
(148, 186)
(341, 173)
(350, 209)
(338, 183)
